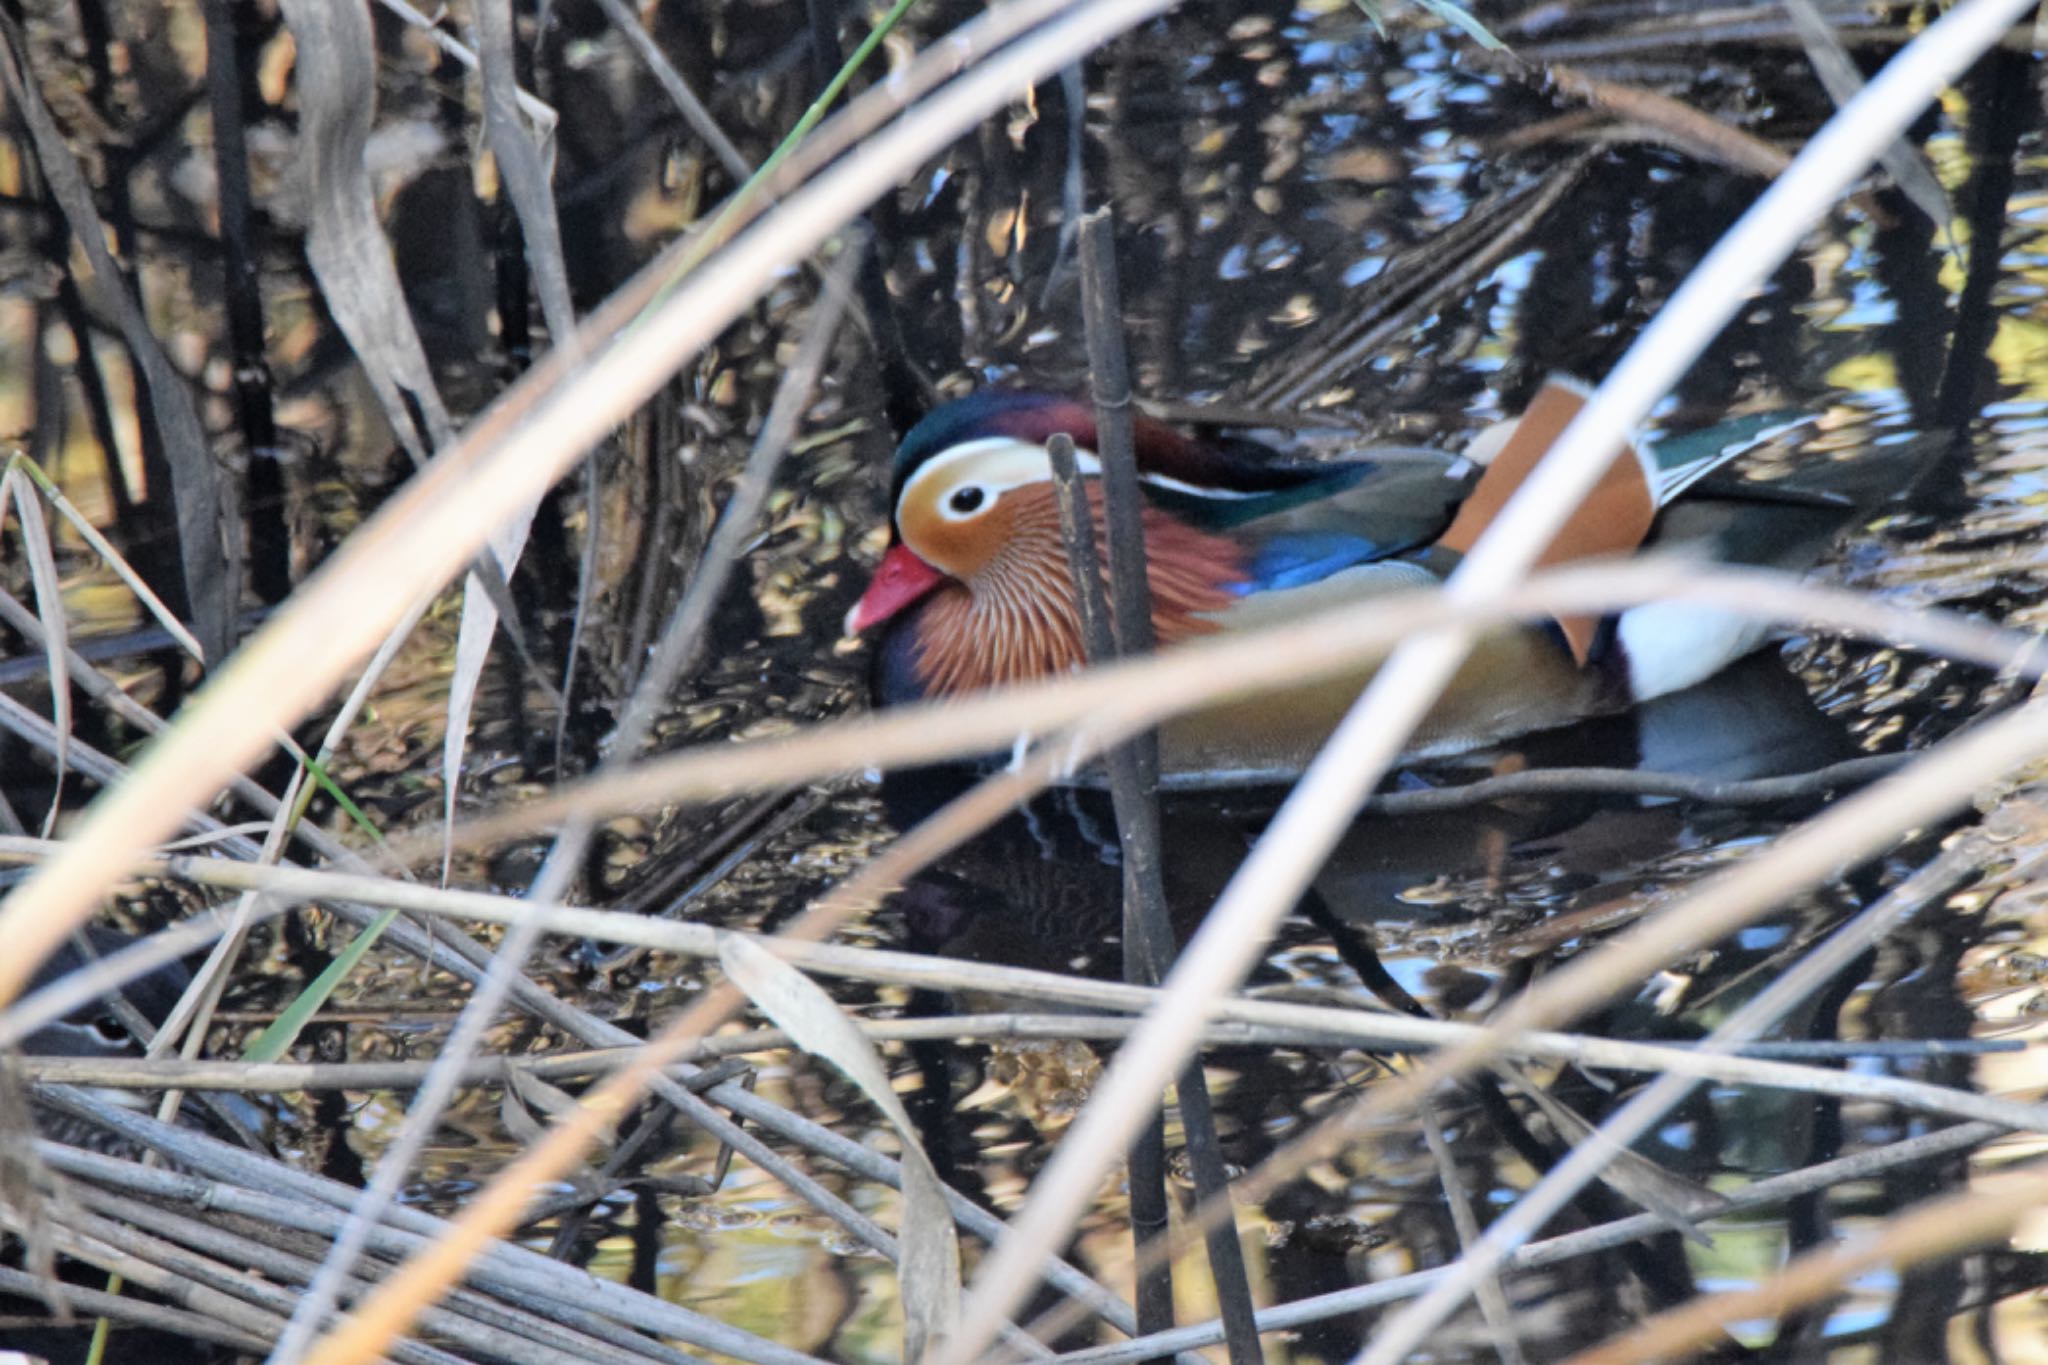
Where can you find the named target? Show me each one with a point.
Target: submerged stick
(1134, 766)
(1146, 1153)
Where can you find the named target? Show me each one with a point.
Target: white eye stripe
(1003, 463)
(1000, 463)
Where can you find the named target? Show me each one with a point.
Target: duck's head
(973, 471)
(954, 492)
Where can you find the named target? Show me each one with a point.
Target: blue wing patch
(1296, 560)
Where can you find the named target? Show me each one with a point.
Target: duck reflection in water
(1043, 887)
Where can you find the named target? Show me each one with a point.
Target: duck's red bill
(900, 580)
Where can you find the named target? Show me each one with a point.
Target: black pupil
(967, 499)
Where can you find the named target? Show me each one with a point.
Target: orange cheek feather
(900, 581)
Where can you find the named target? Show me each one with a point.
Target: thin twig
(208, 554)
(129, 1073)
(1673, 123)
(1850, 772)
(534, 107)
(1364, 1028)
(1147, 937)
(1134, 767)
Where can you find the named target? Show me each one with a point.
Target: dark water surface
(1274, 170)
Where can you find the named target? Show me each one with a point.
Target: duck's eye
(109, 1032)
(967, 500)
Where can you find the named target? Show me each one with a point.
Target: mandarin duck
(974, 590)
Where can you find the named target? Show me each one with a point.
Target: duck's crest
(1161, 451)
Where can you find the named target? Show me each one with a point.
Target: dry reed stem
(1344, 1025)
(1144, 692)
(128, 1073)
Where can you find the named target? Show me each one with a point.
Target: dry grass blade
(208, 535)
(345, 244)
(349, 254)
(1842, 78)
(1681, 1203)
(480, 619)
(543, 115)
(931, 1253)
(19, 491)
(524, 169)
(112, 558)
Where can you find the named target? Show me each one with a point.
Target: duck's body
(976, 592)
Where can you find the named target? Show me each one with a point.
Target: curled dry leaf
(930, 1265)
